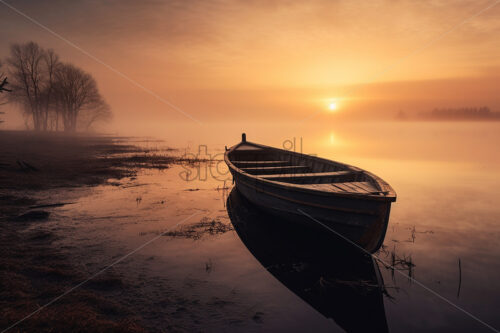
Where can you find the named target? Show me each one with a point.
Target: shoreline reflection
(336, 279)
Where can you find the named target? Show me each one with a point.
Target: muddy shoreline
(32, 271)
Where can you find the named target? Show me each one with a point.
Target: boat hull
(361, 221)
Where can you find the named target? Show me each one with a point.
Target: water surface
(447, 179)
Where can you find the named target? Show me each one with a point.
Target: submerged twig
(197, 230)
(399, 263)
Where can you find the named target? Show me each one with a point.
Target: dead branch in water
(197, 230)
(401, 263)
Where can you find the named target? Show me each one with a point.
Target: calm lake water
(446, 175)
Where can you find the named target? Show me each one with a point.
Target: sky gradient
(273, 60)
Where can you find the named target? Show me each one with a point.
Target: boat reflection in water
(335, 278)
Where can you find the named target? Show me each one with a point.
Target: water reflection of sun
(332, 139)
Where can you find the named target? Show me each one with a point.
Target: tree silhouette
(77, 94)
(50, 92)
(32, 70)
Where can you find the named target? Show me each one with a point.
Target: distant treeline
(480, 113)
(52, 95)
(474, 113)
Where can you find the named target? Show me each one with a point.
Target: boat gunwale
(390, 195)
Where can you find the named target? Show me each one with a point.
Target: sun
(332, 106)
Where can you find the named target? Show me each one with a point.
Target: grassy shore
(32, 271)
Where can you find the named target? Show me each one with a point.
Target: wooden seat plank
(321, 187)
(345, 187)
(342, 187)
(308, 175)
(272, 168)
(290, 169)
(353, 187)
(259, 162)
(249, 164)
(359, 188)
(367, 186)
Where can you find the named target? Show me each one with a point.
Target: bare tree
(100, 113)
(32, 70)
(77, 95)
(52, 63)
(3, 87)
(50, 92)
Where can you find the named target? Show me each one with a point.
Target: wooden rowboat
(318, 192)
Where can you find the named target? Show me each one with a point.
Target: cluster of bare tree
(53, 95)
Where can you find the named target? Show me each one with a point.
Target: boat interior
(304, 170)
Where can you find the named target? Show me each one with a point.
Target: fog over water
(446, 176)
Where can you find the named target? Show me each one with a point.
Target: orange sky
(270, 60)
